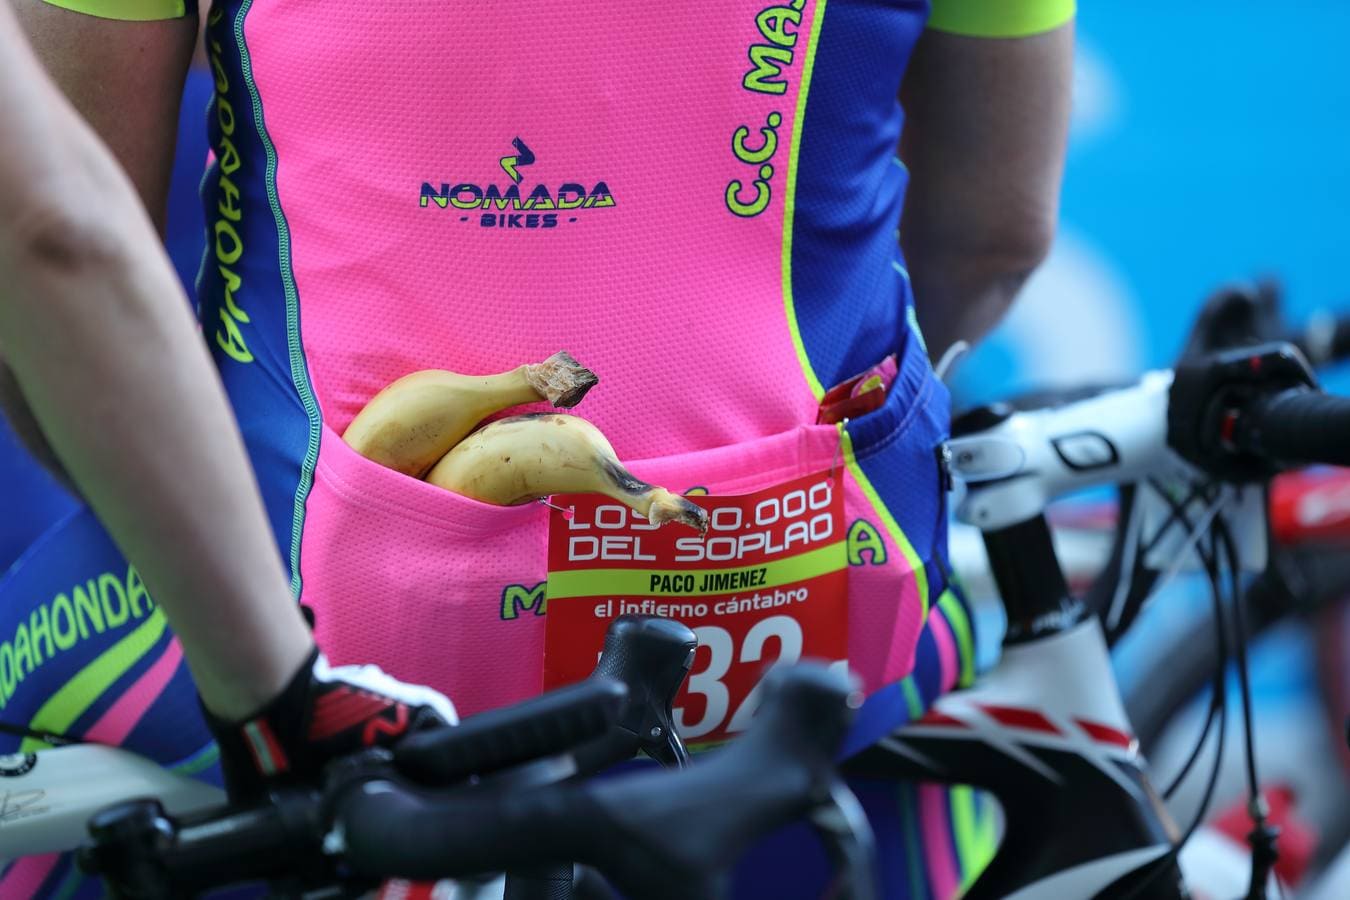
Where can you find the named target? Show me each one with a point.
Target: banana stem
(560, 379)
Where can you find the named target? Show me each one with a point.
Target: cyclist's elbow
(966, 279)
(999, 245)
(1013, 245)
(63, 234)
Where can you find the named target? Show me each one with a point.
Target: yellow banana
(523, 458)
(417, 419)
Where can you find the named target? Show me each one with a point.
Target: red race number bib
(767, 584)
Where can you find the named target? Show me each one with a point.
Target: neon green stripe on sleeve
(1000, 18)
(126, 10)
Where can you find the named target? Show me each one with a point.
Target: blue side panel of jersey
(244, 253)
(848, 286)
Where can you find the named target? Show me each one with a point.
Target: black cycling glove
(325, 712)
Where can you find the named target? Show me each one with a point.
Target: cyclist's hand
(325, 712)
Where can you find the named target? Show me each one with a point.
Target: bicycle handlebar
(145, 854)
(1239, 415)
(1242, 415)
(655, 833)
(1297, 426)
(500, 738)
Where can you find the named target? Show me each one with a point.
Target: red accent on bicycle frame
(1298, 838)
(1021, 718)
(399, 889)
(936, 718)
(1105, 734)
(1228, 426)
(1312, 505)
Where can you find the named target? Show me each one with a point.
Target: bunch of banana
(417, 419)
(421, 426)
(523, 458)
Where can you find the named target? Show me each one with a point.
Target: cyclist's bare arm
(984, 139)
(108, 356)
(125, 77)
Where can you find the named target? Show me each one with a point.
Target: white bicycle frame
(1046, 730)
(47, 798)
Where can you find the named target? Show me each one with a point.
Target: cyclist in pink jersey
(406, 186)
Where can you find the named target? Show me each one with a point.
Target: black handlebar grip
(1298, 426)
(395, 829)
(548, 883)
(546, 725)
(806, 712)
(676, 839)
(148, 855)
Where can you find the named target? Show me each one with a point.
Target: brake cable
(1177, 515)
(1263, 836)
(1218, 702)
(1134, 582)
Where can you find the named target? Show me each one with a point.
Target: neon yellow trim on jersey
(79, 693)
(975, 832)
(1000, 18)
(892, 526)
(790, 204)
(965, 641)
(126, 10)
(912, 699)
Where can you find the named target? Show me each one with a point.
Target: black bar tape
(546, 725)
(1300, 426)
(547, 883)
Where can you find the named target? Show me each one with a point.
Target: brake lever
(667, 748)
(652, 657)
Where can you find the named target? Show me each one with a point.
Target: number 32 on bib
(767, 585)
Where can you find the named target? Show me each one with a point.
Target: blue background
(1210, 143)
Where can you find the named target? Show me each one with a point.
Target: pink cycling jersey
(699, 204)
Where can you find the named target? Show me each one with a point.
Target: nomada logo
(510, 207)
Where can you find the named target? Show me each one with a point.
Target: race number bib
(767, 584)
